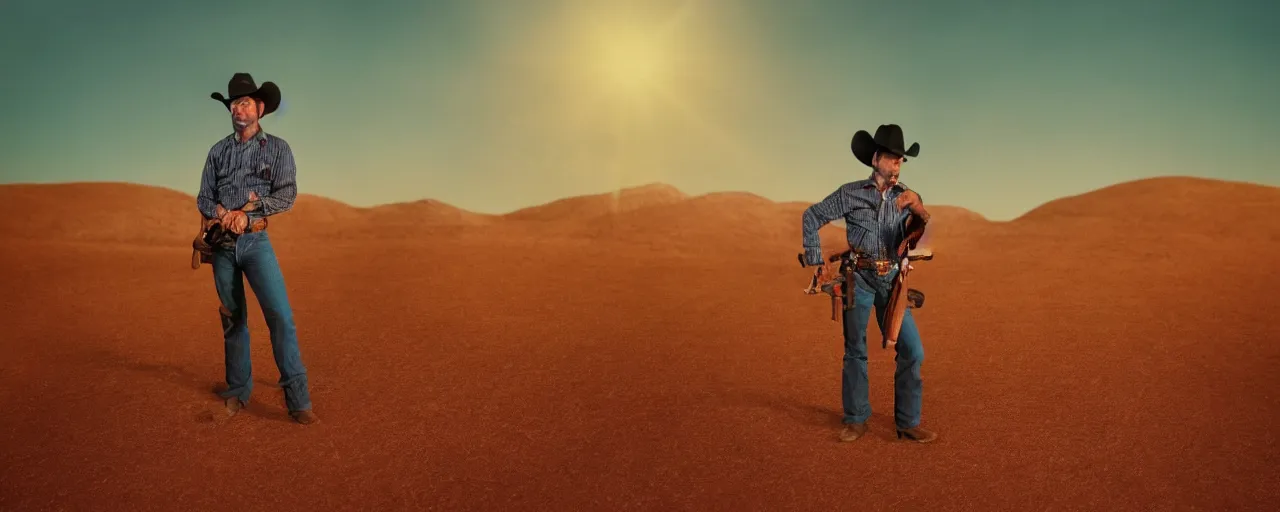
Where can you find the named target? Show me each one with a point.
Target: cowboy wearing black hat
(249, 176)
(875, 211)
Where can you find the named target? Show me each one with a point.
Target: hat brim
(864, 147)
(268, 93)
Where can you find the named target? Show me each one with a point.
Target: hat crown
(241, 84)
(890, 136)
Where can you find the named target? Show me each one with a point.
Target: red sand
(1073, 361)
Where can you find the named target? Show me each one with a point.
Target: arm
(916, 222)
(205, 201)
(284, 184)
(836, 205)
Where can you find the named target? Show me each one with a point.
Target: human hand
(219, 212)
(235, 221)
(252, 204)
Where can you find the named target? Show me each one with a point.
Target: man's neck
(248, 132)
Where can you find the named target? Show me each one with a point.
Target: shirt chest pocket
(264, 169)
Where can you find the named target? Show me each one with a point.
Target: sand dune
(1183, 204)
(1083, 356)
(579, 208)
(1163, 198)
(96, 212)
(637, 212)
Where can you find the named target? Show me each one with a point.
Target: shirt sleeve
(284, 183)
(835, 206)
(206, 200)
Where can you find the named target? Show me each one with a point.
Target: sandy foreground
(1110, 351)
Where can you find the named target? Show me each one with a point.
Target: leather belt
(256, 226)
(882, 267)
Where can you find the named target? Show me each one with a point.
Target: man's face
(245, 112)
(888, 165)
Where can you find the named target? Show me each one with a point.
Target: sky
(496, 105)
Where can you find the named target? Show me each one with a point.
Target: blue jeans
(908, 389)
(254, 260)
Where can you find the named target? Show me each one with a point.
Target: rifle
(836, 284)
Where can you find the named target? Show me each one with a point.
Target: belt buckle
(883, 267)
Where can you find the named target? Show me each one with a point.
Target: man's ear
(262, 107)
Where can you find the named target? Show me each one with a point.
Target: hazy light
(632, 65)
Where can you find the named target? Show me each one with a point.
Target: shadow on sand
(816, 415)
(181, 376)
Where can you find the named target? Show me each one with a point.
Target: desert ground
(646, 350)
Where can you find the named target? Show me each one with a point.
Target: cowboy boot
(233, 405)
(304, 417)
(917, 434)
(852, 431)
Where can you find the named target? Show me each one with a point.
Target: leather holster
(212, 235)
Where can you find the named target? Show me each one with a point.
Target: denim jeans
(253, 260)
(871, 290)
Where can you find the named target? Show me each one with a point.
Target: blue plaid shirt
(263, 165)
(874, 224)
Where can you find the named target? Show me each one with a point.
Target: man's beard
(889, 177)
(240, 124)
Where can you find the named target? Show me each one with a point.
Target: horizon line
(650, 185)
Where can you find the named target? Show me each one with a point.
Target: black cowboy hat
(888, 139)
(242, 84)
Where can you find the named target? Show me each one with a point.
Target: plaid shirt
(874, 223)
(263, 165)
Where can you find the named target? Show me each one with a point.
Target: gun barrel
(924, 255)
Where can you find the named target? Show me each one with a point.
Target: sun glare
(631, 66)
(632, 82)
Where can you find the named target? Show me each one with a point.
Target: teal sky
(495, 105)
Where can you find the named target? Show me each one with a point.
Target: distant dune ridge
(123, 212)
(595, 205)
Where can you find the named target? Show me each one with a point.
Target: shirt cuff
(813, 256)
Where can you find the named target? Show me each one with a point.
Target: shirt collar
(870, 182)
(259, 137)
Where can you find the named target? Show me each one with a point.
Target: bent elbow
(810, 216)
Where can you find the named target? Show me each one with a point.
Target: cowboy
(875, 211)
(249, 176)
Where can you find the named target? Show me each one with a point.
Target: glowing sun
(632, 65)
